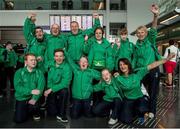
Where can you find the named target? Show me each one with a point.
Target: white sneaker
(62, 119)
(151, 115)
(112, 121)
(36, 117)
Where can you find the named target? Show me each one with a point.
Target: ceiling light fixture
(169, 18)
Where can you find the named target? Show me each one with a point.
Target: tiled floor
(168, 115)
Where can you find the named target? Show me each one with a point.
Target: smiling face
(141, 33)
(106, 75)
(123, 36)
(124, 33)
(98, 34)
(30, 61)
(59, 57)
(39, 33)
(83, 63)
(55, 29)
(124, 68)
(74, 27)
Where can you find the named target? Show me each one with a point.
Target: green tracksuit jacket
(34, 46)
(75, 43)
(125, 50)
(53, 43)
(101, 55)
(111, 91)
(59, 77)
(25, 82)
(146, 51)
(82, 83)
(3, 53)
(130, 84)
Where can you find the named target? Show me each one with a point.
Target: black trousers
(81, 107)
(2, 78)
(151, 82)
(103, 108)
(10, 75)
(57, 103)
(132, 108)
(23, 110)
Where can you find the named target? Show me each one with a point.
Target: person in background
(112, 99)
(134, 102)
(171, 64)
(20, 51)
(10, 65)
(146, 53)
(29, 84)
(59, 77)
(3, 60)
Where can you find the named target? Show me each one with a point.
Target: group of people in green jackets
(86, 61)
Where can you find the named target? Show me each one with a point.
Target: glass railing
(52, 5)
(62, 4)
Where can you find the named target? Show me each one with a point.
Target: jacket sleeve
(19, 86)
(122, 84)
(90, 32)
(90, 57)
(65, 81)
(87, 46)
(115, 50)
(3, 54)
(98, 87)
(152, 35)
(28, 30)
(71, 63)
(40, 85)
(109, 59)
(134, 60)
(141, 72)
(96, 74)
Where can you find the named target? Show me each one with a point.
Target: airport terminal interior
(113, 15)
